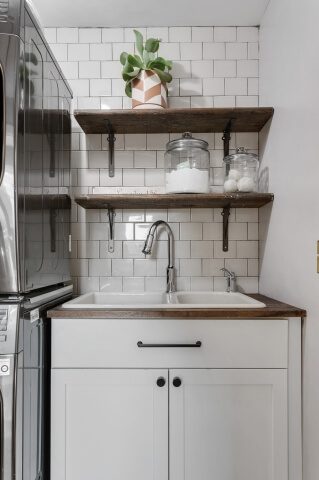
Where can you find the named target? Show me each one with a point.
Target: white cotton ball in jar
(246, 184)
(230, 186)
(234, 174)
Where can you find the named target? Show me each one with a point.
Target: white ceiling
(152, 13)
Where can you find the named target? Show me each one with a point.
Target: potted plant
(146, 74)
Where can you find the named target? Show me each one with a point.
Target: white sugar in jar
(187, 165)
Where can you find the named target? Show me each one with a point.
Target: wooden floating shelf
(159, 201)
(174, 120)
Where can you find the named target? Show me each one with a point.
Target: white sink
(125, 301)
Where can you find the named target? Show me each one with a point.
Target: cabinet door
(109, 425)
(228, 425)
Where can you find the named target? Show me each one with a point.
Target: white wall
(212, 66)
(289, 81)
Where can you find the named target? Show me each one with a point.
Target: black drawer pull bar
(169, 345)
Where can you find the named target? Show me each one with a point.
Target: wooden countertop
(273, 309)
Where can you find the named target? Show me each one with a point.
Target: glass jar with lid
(241, 172)
(187, 165)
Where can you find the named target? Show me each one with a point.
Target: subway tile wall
(213, 66)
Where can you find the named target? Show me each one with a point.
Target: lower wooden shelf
(160, 201)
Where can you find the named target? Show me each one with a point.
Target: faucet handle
(228, 273)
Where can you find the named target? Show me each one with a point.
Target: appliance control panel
(4, 367)
(9, 329)
(3, 320)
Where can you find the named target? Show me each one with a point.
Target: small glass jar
(241, 172)
(187, 165)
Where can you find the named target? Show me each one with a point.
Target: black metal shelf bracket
(226, 140)
(111, 140)
(225, 215)
(226, 210)
(111, 215)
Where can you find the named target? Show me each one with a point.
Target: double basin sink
(148, 300)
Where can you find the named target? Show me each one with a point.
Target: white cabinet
(233, 413)
(228, 425)
(109, 425)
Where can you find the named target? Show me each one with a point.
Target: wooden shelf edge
(174, 120)
(159, 201)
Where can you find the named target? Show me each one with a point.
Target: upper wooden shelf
(174, 120)
(159, 201)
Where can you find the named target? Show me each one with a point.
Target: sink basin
(151, 300)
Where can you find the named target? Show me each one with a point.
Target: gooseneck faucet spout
(147, 250)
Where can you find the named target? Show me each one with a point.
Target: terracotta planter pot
(148, 91)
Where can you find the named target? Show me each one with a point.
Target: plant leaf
(164, 76)
(139, 42)
(135, 61)
(123, 58)
(130, 75)
(156, 64)
(128, 88)
(152, 45)
(167, 63)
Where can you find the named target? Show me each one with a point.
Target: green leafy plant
(147, 59)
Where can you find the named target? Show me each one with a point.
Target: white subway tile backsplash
(50, 35)
(247, 34)
(202, 34)
(122, 267)
(158, 32)
(236, 86)
(191, 51)
(180, 34)
(144, 159)
(129, 35)
(90, 69)
(247, 249)
(99, 267)
(191, 231)
(60, 52)
(112, 35)
(133, 284)
(236, 51)
(212, 66)
(253, 51)
(225, 101)
(190, 267)
(202, 249)
(191, 86)
(212, 267)
(247, 68)
(101, 51)
(111, 284)
(202, 68)
(214, 51)
(90, 35)
(134, 177)
(225, 34)
(111, 69)
(81, 88)
(225, 68)
(78, 53)
(171, 51)
(213, 86)
(67, 35)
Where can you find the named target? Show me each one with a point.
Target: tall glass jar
(187, 165)
(241, 172)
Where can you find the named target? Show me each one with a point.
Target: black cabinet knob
(160, 382)
(177, 382)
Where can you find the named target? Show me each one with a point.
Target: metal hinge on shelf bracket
(111, 140)
(225, 214)
(226, 139)
(111, 215)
